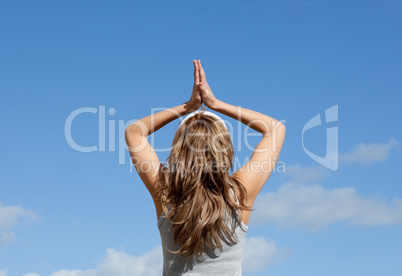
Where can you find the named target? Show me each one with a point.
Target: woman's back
(212, 262)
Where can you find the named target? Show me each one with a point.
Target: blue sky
(65, 212)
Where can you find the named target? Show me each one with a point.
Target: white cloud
(306, 174)
(260, 253)
(9, 217)
(313, 207)
(369, 153)
(7, 237)
(3, 272)
(90, 272)
(117, 263)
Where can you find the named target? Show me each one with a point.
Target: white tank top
(228, 262)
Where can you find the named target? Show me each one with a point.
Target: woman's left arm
(142, 154)
(144, 158)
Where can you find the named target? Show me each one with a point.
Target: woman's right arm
(255, 173)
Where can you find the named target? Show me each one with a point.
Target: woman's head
(203, 146)
(196, 191)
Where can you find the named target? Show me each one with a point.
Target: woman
(202, 211)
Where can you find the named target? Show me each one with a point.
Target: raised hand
(195, 101)
(208, 98)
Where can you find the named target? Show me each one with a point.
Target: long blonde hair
(196, 191)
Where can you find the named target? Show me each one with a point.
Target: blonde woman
(202, 211)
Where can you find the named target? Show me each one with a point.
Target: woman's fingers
(202, 73)
(196, 73)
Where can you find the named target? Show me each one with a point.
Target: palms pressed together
(202, 93)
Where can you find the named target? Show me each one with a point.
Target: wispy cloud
(89, 272)
(305, 174)
(260, 254)
(313, 207)
(9, 217)
(7, 237)
(3, 272)
(369, 153)
(120, 263)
